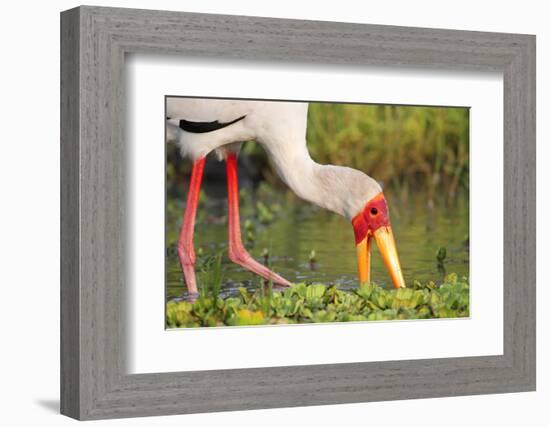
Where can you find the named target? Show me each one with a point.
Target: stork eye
(373, 211)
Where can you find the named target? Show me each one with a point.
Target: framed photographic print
(317, 260)
(285, 213)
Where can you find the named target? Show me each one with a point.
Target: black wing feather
(203, 127)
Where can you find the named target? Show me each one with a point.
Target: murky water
(300, 229)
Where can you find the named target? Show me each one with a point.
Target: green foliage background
(401, 146)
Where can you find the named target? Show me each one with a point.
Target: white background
(29, 215)
(481, 335)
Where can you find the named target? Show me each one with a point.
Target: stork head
(372, 221)
(359, 198)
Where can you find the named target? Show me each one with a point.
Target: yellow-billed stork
(201, 126)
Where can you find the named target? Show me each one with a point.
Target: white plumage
(280, 127)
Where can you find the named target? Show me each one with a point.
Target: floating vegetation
(314, 303)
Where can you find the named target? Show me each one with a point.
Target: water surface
(420, 228)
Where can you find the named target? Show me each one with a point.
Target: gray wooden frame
(94, 41)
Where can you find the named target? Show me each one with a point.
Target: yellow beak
(363, 260)
(386, 244)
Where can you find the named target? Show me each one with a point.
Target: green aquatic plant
(210, 275)
(441, 254)
(265, 256)
(312, 259)
(313, 303)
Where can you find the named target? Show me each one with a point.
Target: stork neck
(318, 184)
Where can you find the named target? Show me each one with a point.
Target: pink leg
(186, 251)
(237, 252)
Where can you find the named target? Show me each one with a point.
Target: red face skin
(373, 216)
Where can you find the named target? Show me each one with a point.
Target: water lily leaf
(244, 295)
(323, 316)
(231, 303)
(299, 289)
(451, 278)
(171, 317)
(212, 320)
(306, 312)
(424, 312)
(365, 291)
(445, 312)
(423, 296)
(332, 307)
(435, 299)
(315, 292)
(281, 305)
(379, 297)
(390, 313)
(464, 300)
(407, 313)
(404, 293)
(376, 315)
(352, 318)
(248, 317)
(339, 296)
(295, 306)
(350, 302)
(280, 321)
(183, 317)
(184, 306)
